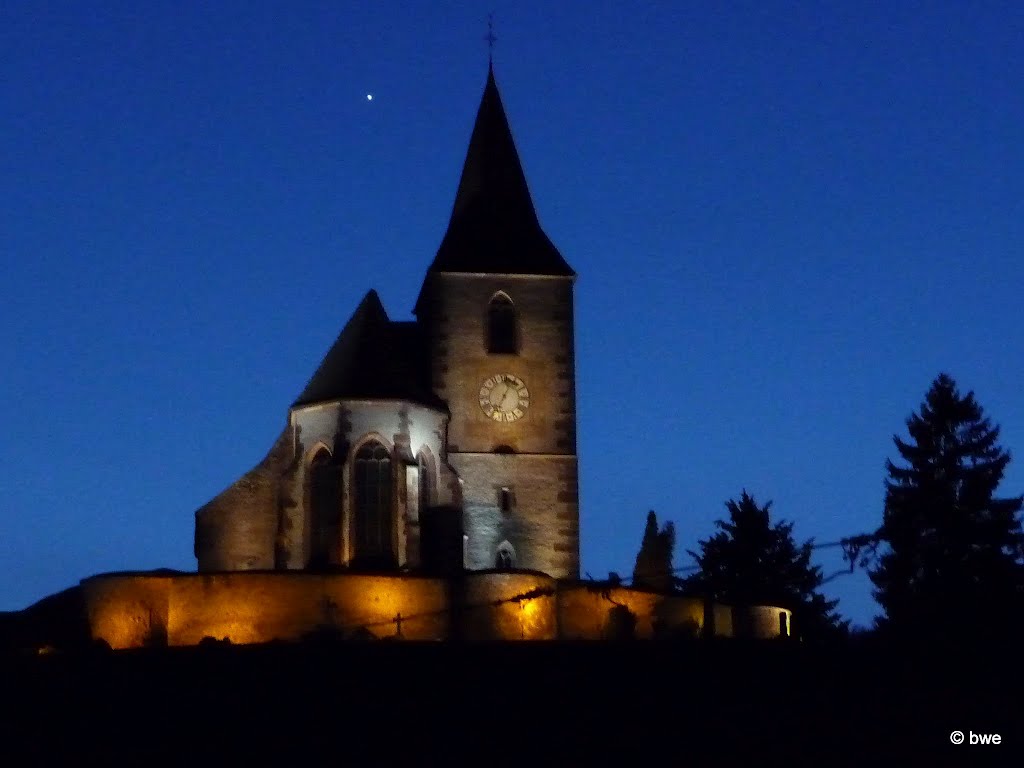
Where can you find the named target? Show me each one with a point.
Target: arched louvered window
(324, 507)
(502, 335)
(372, 505)
(505, 560)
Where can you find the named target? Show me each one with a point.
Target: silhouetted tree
(653, 568)
(952, 557)
(752, 562)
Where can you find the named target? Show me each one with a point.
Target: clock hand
(499, 399)
(510, 391)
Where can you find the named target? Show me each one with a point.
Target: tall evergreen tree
(752, 562)
(653, 567)
(953, 554)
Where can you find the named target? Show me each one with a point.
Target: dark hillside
(380, 703)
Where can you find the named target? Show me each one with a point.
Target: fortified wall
(157, 609)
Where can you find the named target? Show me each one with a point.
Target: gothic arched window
(323, 507)
(372, 505)
(502, 337)
(505, 560)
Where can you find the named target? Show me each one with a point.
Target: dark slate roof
(373, 359)
(494, 227)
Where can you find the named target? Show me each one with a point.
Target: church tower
(497, 308)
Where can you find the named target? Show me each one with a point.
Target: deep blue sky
(787, 218)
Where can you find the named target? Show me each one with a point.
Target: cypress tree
(653, 568)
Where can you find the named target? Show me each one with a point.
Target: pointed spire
(492, 173)
(494, 227)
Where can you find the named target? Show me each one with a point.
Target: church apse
(378, 505)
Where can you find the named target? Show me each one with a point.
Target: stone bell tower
(497, 308)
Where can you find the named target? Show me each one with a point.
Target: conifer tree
(952, 558)
(653, 567)
(750, 561)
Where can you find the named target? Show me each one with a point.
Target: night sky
(787, 219)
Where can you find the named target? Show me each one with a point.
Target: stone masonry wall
(129, 610)
(237, 529)
(543, 525)
(510, 606)
(585, 611)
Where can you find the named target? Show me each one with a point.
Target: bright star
(369, 97)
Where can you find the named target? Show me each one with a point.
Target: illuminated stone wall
(127, 611)
(541, 526)
(252, 608)
(135, 610)
(586, 611)
(509, 606)
(722, 615)
(760, 621)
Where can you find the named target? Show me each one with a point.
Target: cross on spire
(490, 38)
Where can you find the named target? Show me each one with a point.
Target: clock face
(504, 398)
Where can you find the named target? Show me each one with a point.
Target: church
(425, 485)
(470, 406)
